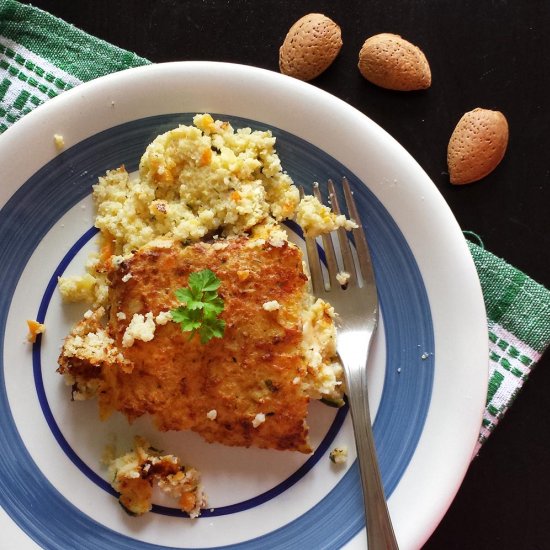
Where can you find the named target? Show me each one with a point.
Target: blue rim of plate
(410, 362)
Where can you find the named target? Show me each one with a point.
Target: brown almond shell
(310, 47)
(477, 145)
(391, 62)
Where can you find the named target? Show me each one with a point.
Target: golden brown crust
(251, 371)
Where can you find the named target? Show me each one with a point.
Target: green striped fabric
(41, 56)
(518, 315)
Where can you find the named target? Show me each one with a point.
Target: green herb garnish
(200, 307)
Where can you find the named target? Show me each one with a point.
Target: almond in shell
(391, 62)
(310, 46)
(477, 145)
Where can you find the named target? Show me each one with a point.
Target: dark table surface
(483, 53)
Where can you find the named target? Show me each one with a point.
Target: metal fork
(356, 302)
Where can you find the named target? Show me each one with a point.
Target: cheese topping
(141, 327)
(272, 305)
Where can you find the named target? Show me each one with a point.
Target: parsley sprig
(200, 307)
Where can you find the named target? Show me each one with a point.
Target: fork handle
(380, 534)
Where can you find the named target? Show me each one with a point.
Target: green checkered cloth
(518, 318)
(42, 56)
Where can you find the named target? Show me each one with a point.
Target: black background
(483, 53)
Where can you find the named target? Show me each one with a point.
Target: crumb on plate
(35, 328)
(59, 141)
(339, 455)
(133, 475)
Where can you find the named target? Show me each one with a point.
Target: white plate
(429, 374)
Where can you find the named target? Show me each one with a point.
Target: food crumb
(315, 218)
(220, 245)
(163, 317)
(339, 455)
(133, 475)
(343, 277)
(211, 415)
(35, 328)
(424, 356)
(59, 141)
(273, 305)
(243, 274)
(141, 327)
(77, 288)
(258, 419)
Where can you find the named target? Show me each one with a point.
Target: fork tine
(313, 261)
(345, 248)
(361, 245)
(315, 271)
(328, 246)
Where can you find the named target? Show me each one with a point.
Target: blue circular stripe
(56, 187)
(98, 480)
